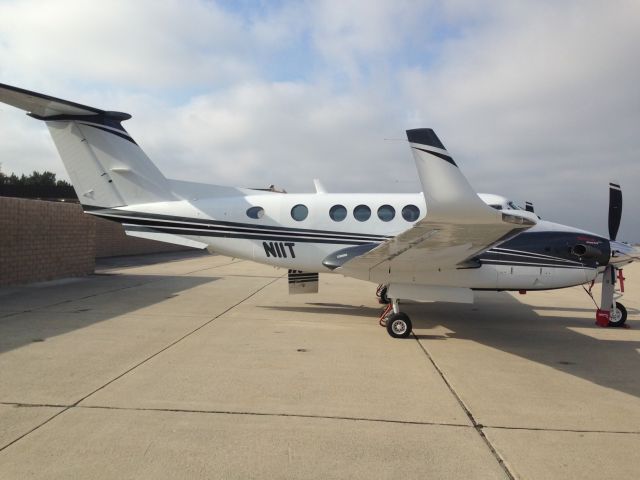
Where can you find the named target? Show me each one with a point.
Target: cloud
(540, 102)
(142, 44)
(537, 100)
(356, 38)
(261, 133)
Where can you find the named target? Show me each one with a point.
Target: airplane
(441, 244)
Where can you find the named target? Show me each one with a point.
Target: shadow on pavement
(499, 321)
(37, 314)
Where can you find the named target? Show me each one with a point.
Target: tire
(621, 316)
(399, 325)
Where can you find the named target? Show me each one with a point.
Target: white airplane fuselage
(276, 238)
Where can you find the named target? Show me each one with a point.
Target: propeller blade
(615, 209)
(528, 206)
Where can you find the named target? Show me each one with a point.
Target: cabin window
(255, 212)
(362, 213)
(386, 213)
(338, 213)
(299, 212)
(410, 213)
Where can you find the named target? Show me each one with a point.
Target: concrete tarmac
(197, 366)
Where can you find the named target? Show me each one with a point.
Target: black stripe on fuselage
(523, 253)
(201, 225)
(512, 263)
(518, 258)
(247, 236)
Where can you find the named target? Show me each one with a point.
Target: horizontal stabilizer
(41, 105)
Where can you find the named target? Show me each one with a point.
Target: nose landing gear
(616, 315)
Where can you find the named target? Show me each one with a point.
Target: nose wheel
(618, 315)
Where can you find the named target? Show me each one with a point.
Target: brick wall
(46, 240)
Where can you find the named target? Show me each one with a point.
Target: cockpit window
(496, 206)
(513, 206)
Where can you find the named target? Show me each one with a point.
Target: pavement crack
(33, 405)
(477, 426)
(15, 440)
(175, 342)
(272, 414)
(567, 430)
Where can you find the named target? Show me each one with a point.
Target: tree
(37, 185)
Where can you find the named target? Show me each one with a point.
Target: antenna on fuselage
(319, 187)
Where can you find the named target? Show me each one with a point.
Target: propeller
(615, 209)
(607, 303)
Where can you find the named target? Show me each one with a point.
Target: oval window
(362, 213)
(255, 212)
(386, 213)
(299, 212)
(338, 213)
(410, 213)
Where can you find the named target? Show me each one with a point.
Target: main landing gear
(397, 323)
(381, 293)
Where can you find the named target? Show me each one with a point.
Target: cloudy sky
(537, 100)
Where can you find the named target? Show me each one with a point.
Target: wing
(458, 225)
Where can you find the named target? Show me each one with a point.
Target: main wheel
(619, 317)
(399, 325)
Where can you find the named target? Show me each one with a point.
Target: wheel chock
(603, 317)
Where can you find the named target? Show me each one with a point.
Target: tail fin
(106, 166)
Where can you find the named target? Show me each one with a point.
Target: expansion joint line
(175, 342)
(477, 426)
